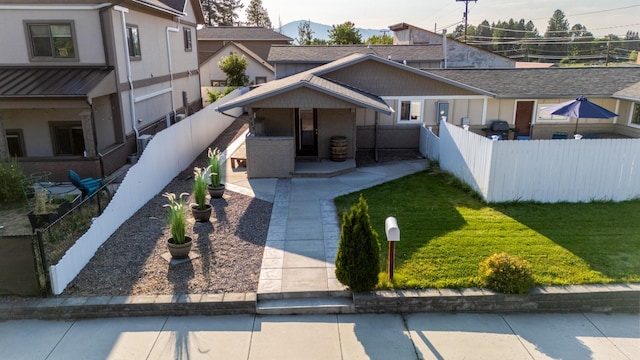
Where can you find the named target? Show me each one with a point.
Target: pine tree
(305, 33)
(221, 12)
(358, 258)
(257, 15)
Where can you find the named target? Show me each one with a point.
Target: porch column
(4, 147)
(87, 133)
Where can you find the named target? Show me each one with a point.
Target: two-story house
(82, 81)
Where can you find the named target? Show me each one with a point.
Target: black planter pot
(201, 215)
(42, 220)
(179, 251)
(216, 192)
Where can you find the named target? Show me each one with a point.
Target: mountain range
(321, 31)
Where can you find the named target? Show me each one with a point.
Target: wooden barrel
(338, 148)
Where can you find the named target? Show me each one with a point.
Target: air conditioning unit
(143, 141)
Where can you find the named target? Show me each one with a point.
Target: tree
(257, 15)
(383, 39)
(344, 34)
(221, 12)
(305, 33)
(358, 257)
(235, 68)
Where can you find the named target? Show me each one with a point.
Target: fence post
(40, 257)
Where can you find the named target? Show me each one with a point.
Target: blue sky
(600, 17)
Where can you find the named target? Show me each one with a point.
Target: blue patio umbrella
(581, 108)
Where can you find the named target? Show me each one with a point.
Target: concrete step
(305, 295)
(300, 306)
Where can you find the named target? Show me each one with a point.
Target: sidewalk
(379, 336)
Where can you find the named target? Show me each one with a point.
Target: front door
(524, 114)
(306, 132)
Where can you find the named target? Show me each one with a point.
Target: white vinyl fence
(542, 170)
(167, 154)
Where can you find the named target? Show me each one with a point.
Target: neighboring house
(257, 39)
(258, 70)
(81, 80)
(456, 53)
(377, 103)
(412, 46)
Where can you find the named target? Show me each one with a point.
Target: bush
(217, 95)
(358, 258)
(505, 273)
(11, 177)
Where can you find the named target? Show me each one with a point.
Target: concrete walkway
(370, 336)
(303, 232)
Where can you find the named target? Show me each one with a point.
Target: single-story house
(381, 104)
(258, 69)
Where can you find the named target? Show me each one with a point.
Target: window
(187, 39)
(635, 115)
(68, 138)
(261, 79)
(410, 111)
(51, 40)
(544, 116)
(218, 82)
(15, 142)
(133, 41)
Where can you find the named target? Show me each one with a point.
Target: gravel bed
(230, 246)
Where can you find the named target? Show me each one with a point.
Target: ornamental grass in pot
(216, 189)
(201, 210)
(179, 243)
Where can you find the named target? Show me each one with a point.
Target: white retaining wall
(542, 170)
(167, 154)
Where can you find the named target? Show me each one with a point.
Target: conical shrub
(358, 258)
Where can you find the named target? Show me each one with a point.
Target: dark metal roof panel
(41, 82)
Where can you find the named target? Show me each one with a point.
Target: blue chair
(87, 186)
(492, 135)
(523, 137)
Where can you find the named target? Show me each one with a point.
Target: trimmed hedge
(505, 273)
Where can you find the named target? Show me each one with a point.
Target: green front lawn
(446, 231)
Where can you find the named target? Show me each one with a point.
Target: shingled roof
(50, 82)
(240, 33)
(545, 83)
(328, 53)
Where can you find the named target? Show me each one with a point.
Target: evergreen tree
(345, 34)
(235, 67)
(358, 258)
(221, 12)
(257, 15)
(305, 34)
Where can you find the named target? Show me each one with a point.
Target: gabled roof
(50, 82)
(545, 83)
(309, 80)
(181, 6)
(240, 33)
(245, 50)
(328, 53)
(631, 93)
(161, 5)
(313, 79)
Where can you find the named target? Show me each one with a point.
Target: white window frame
(548, 118)
(420, 117)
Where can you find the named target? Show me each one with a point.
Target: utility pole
(466, 16)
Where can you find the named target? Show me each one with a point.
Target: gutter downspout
(132, 106)
(444, 46)
(173, 106)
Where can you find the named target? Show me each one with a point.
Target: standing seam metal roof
(25, 82)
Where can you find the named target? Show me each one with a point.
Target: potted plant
(179, 244)
(201, 210)
(216, 189)
(47, 210)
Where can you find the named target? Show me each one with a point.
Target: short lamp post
(393, 235)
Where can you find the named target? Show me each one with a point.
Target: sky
(600, 17)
